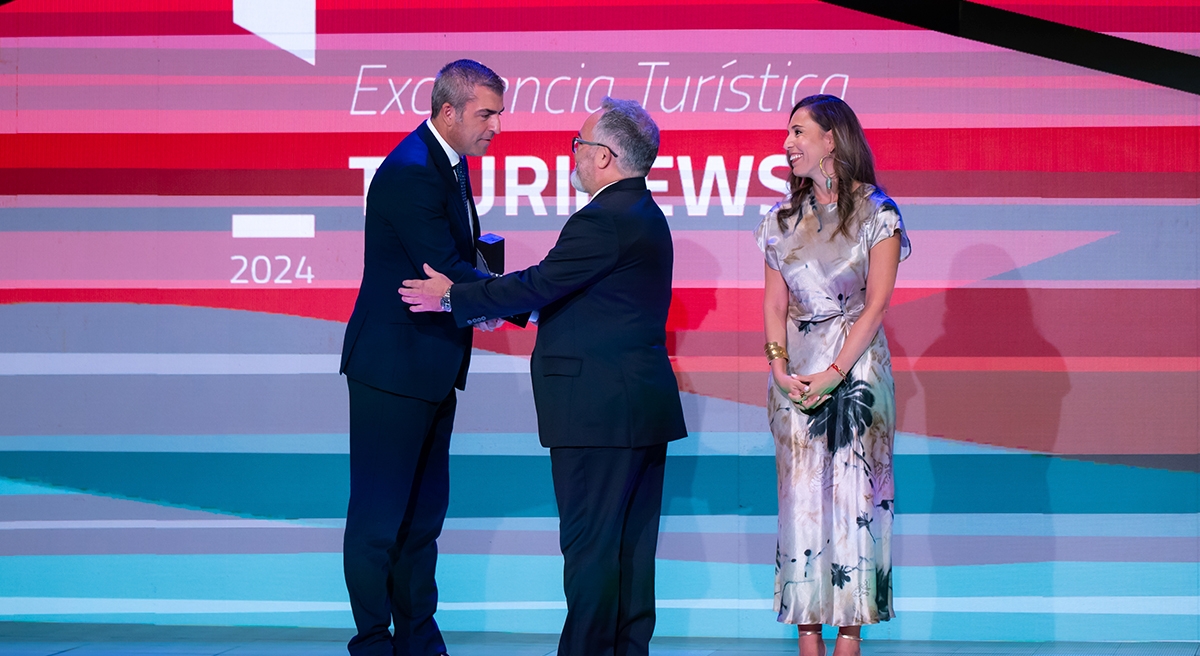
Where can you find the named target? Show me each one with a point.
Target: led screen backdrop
(181, 213)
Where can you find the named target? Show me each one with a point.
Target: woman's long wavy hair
(852, 160)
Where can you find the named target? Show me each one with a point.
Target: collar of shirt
(454, 157)
(602, 189)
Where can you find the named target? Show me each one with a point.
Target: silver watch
(446, 300)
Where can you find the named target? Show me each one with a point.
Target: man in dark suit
(607, 400)
(402, 368)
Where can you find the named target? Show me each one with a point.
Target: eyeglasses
(576, 140)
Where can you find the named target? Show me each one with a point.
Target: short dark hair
(456, 82)
(629, 127)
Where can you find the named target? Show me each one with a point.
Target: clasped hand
(806, 391)
(426, 296)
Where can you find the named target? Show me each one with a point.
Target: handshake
(433, 295)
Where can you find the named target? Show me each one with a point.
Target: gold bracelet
(774, 352)
(838, 370)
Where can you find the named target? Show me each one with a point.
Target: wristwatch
(446, 300)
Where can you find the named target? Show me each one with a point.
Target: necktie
(464, 188)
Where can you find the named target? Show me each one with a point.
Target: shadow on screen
(991, 506)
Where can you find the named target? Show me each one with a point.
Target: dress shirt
(454, 157)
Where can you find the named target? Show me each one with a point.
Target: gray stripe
(59, 542)
(1157, 220)
(173, 405)
(917, 216)
(131, 328)
(462, 444)
(272, 404)
(165, 364)
(916, 525)
(1050, 525)
(751, 548)
(69, 507)
(667, 524)
(157, 219)
(321, 443)
(698, 443)
(303, 404)
(944, 550)
(215, 405)
(75, 507)
(206, 364)
(134, 524)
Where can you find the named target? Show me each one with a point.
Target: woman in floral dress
(832, 248)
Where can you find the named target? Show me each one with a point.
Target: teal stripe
(504, 621)
(1036, 627)
(908, 444)
(314, 620)
(697, 443)
(221, 443)
(695, 580)
(1038, 484)
(501, 486)
(317, 577)
(266, 485)
(463, 577)
(280, 577)
(1063, 579)
(1049, 525)
(467, 578)
(9, 487)
(967, 627)
(687, 622)
(315, 485)
(1134, 525)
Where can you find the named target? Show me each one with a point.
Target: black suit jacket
(601, 377)
(415, 215)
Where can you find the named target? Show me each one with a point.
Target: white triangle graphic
(288, 24)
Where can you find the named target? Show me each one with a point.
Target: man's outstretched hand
(425, 295)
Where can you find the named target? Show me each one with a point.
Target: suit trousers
(399, 491)
(609, 503)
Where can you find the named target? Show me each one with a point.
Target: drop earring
(828, 177)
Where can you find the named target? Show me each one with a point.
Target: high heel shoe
(820, 642)
(852, 638)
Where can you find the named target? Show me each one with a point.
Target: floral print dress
(833, 561)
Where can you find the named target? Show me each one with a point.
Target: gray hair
(629, 128)
(456, 82)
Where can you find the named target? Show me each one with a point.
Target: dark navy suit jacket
(415, 215)
(601, 377)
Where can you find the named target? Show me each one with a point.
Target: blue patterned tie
(464, 188)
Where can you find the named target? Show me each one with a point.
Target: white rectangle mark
(250, 226)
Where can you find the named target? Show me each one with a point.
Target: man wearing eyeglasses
(607, 400)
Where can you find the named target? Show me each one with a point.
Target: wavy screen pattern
(181, 195)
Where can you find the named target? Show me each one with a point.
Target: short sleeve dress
(833, 561)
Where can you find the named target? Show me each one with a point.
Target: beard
(576, 181)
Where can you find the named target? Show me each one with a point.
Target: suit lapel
(442, 164)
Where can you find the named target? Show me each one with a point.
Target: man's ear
(446, 112)
(604, 158)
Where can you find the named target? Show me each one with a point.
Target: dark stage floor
(37, 639)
